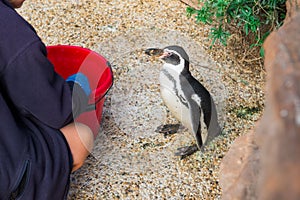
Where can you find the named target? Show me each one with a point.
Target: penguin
(187, 99)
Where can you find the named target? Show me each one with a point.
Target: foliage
(257, 17)
(246, 112)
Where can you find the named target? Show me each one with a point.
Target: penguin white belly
(172, 101)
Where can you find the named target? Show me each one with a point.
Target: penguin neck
(186, 68)
(182, 68)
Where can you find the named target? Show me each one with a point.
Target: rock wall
(279, 134)
(293, 7)
(265, 164)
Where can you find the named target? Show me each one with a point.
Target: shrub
(256, 17)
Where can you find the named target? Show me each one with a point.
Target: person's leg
(81, 141)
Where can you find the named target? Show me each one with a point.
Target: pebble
(130, 160)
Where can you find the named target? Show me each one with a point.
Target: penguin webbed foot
(186, 151)
(167, 129)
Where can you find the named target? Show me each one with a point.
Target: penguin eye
(169, 54)
(173, 58)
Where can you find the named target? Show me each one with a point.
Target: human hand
(82, 81)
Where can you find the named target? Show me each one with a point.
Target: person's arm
(38, 92)
(80, 87)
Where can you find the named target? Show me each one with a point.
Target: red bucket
(68, 60)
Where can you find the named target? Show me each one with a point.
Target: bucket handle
(92, 106)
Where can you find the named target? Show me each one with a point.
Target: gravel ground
(130, 160)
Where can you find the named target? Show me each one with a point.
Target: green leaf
(262, 52)
(190, 11)
(250, 16)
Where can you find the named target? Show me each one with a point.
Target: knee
(81, 141)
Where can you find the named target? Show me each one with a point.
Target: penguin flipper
(186, 151)
(197, 117)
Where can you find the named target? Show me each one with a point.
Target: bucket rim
(100, 92)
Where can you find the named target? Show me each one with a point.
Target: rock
(240, 165)
(292, 7)
(279, 135)
(265, 164)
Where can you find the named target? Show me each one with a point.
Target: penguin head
(173, 54)
(174, 57)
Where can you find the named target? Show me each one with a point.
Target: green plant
(246, 112)
(256, 17)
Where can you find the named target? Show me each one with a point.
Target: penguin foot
(167, 129)
(186, 151)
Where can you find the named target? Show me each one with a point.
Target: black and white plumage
(188, 100)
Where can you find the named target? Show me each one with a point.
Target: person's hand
(81, 80)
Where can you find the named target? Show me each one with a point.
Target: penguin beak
(164, 55)
(154, 52)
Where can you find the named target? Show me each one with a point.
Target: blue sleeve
(37, 91)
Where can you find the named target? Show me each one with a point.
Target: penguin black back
(202, 92)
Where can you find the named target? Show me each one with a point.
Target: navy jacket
(35, 102)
